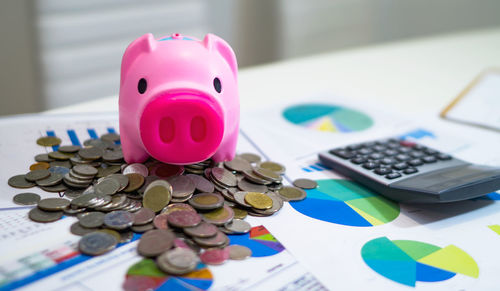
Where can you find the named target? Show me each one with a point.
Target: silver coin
(268, 175)
(85, 200)
(182, 186)
(143, 216)
(112, 156)
(216, 241)
(168, 268)
(64, 164)
(224, 177)
(183, 218)
(79, 230)
(43, 158)
(118, 201)
(289, 193)
(155, 242)
(142, 228)
(26, 198)
(38, 215)
(239, 197)
(251, 176)
(182, 258)
(35, 175)
(305, 183)
(120, 178)
(252, 158)
(102, 200)
(110, 137)
(73, 193)
(136, 168)
(238, 164)
(69, 149)
(118, 219)
(96, 243)
(201, 184)
(91, 153)
(55, 188)
(238, 226)
(73, 211)
(107, 186)
(239, 252)
(203, 229)
(91, 219)
(52, 180)
(125, 236)
(53, 204)
(19, 181)
(245, 185)
(85, 170)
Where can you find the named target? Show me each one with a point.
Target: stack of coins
(184, 213)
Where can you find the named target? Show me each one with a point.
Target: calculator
(405, 171)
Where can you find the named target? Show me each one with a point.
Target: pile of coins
(184, 212)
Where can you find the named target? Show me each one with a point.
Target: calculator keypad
(390, 158)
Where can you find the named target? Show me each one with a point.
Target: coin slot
(167, 129)
(198, 129)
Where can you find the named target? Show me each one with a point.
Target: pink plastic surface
(180, 117)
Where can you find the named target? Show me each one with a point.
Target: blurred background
(55, 53)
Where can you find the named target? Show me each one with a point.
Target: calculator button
(342, 153)
(393, 145)
(416, 162)
(405, 150)
(391, 152)
(444, 157)
(429, 159)
(417, 154)
(388, 161)
(403, 158)
(431, 152)
(400, 166)
(376, 156)
(358, 160)
(383, 171)
(354, 147)
(393, 175)
(379, 148)
(410, 171)
(419, 147)
(365, 151)
(369, 144)
(370, 165)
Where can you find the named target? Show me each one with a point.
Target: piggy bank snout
(184, 128)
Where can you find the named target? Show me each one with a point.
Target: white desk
(419, 75)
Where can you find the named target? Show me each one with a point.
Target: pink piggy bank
(179, 100)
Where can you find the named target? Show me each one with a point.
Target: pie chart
(347, 203)
(259, 240)
(146, 274)
(327, 118)
(409, 261)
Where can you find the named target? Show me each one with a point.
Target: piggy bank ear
(143, 44)
(215, 43)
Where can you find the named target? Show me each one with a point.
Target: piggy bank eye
(142, 86)
(217, 85)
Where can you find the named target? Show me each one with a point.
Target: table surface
(413, 76)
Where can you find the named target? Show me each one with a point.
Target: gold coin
(219, 216)
(39, 166)
(258, 200)
(60, 156)
(48, 141)
(239, 213)
(135, 181)
(157, 195)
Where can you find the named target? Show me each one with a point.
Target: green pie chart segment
(327, 118)
(408, 262)
(347, 203)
